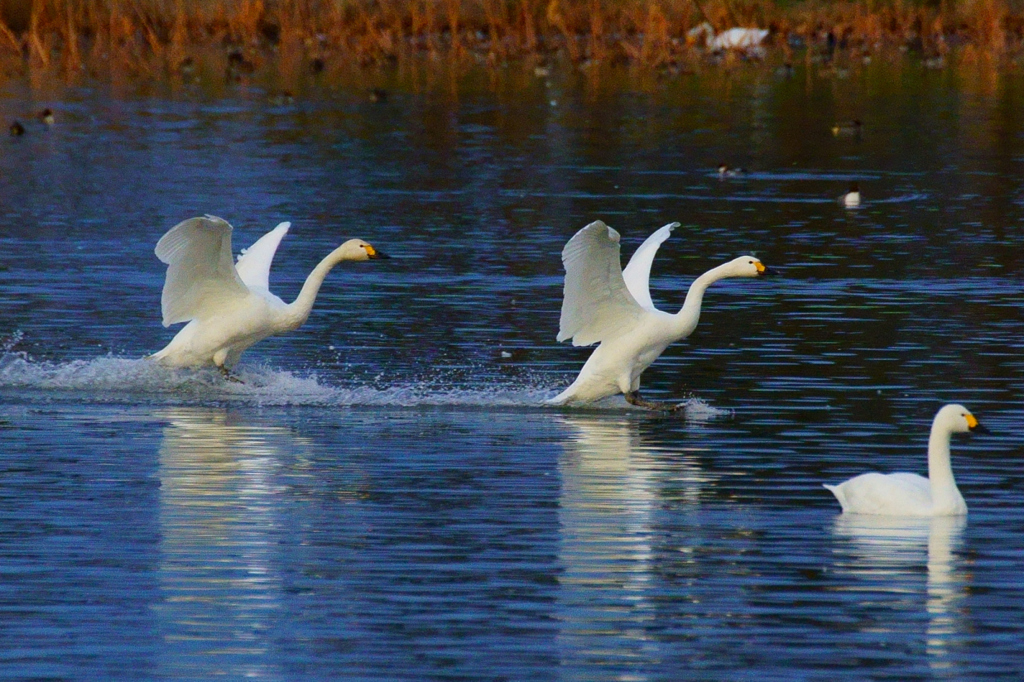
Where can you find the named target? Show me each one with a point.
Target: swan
(605, 304)
(229, 306)
(731, 39)
(852, 198)
(903, 494)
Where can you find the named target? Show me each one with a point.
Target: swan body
(903, 494)
(229, 306)
(604, 304)
(731, 39)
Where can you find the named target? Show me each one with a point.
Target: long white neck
(689, 314)
(940, 471)
(300, 308)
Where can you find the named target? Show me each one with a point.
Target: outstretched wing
(253, 264)
(596, 305)
(200, 271)
(638, 272)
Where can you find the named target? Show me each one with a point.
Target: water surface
(387, 496)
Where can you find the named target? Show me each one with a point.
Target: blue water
(387, 497)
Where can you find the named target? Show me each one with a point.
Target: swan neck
(303, 303)
(940, 471)
(689, 315)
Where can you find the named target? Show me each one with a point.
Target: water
(386, 495)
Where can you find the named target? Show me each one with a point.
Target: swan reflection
(610, 491)
(890, 549)
(219, 579)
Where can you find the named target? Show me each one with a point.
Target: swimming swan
(909, 494)
(731, 39)
(229, 307)
(606, 304)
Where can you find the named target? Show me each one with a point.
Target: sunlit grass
(160, 37)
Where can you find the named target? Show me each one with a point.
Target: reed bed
(243, 37)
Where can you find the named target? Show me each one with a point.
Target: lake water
(386, 497)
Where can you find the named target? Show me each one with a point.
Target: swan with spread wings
(228, 305)
(605, 304)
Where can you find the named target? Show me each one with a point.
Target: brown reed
(147, 36)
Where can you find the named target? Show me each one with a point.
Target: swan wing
(596, 304)
(637, 273)
(200, 271)
(253, 264)
(874, 493)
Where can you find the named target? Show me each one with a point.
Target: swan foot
(228, 375)
(634, 398)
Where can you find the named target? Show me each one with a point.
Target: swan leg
(228, 375)
(634, 398)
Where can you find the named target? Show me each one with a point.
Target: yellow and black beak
(974, 425)
(761, 269)
(374, 253)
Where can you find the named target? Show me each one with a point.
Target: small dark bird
(17, 130)
(378, 95)
(282, 98)
(725, 171)
(847, 128)
(238, 65)
(317, 65)
(46, 116)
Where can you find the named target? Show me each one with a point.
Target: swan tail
(563, 398)
(836, 490)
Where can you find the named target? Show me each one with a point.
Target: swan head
(744, 266)
(956, 418)
(357, 249)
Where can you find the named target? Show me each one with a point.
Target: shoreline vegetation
(314, 37)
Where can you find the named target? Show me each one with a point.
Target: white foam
(139, 380)
(118, 380)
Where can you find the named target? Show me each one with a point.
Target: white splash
(136, 380)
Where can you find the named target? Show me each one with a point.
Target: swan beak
(761, 269)
(974, 425)
(375, 254)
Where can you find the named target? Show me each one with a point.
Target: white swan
(909, 494)
(605, 304)
(731, 39)
(229, 307)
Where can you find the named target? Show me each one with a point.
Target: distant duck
(46, 116)
(732, 39)
(282, 98)
(852, 198)
(238, 66)
(724, 171)
(847, 128)
(378, 95)
(903, 494)
(16, 129)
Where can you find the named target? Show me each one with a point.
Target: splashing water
(117, 380)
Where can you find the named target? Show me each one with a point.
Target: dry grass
(163, 36)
